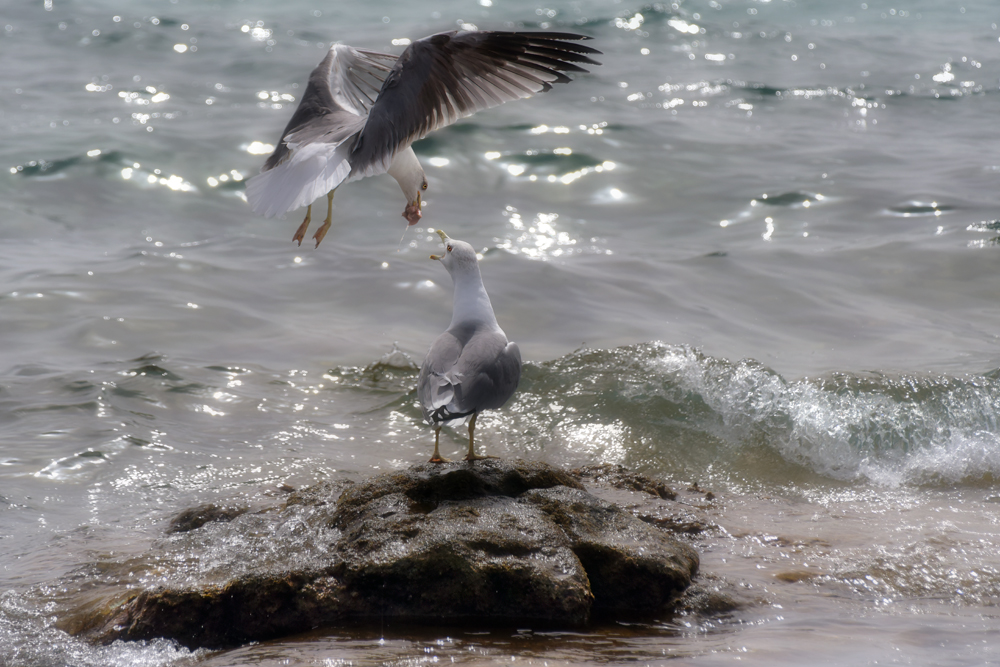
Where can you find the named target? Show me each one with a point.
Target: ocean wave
(689, 409)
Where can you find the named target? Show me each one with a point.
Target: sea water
(755, 253)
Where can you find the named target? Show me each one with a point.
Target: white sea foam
(890, 430)
(27, 637)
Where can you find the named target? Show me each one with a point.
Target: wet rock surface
(196, 517)
(621, 477)
(490, 542)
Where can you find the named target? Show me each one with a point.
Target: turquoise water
(756, 249)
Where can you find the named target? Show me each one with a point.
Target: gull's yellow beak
(444, 239)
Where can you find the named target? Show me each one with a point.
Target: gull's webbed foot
(321, 232)
(300, 233)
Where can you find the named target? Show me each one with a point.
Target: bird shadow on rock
(492, 543)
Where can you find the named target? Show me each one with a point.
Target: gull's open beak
(444, 240)
(412, 211)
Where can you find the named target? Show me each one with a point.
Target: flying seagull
(472, 366)
(361, 110)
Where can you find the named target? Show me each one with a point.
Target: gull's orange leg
(321, 232)
(472, 456)
(437, 455)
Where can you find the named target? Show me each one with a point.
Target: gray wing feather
(356, 77)
(434, 384)
(468, 370)
(442, 78)
(340, 92)
(495, 382)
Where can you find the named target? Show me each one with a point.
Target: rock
(245, 609)
(460, 542)
(489, 542)
(683, 525)
(196, 517)
(711, 596)
(621, 477)
(795, 576)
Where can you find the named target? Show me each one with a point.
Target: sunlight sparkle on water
(174, 182)
(257, 30)
(542, 238)
(136, 97)
(275, 96)
(679, 25)
(633, 23)
(233, 175)
(604, 441)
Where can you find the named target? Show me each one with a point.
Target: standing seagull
(470, 367)
(362, 109)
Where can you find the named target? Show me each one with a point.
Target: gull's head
(457, 254)
(406, 169)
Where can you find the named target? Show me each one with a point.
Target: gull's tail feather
(309, 172)
(442, 390)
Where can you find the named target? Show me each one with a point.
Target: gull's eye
(449, 248)
(424, 186)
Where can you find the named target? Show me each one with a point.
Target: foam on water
(889, 429)
(29, 638)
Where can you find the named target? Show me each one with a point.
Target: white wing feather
(309, 172)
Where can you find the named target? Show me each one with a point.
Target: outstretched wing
(312, 158)
(357, 75)
(442, 78)
(341, 90)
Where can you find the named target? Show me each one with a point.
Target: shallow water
(755, 251)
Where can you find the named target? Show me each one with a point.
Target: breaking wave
(674, 403)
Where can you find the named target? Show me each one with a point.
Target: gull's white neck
(471, 303)
(406, 169)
